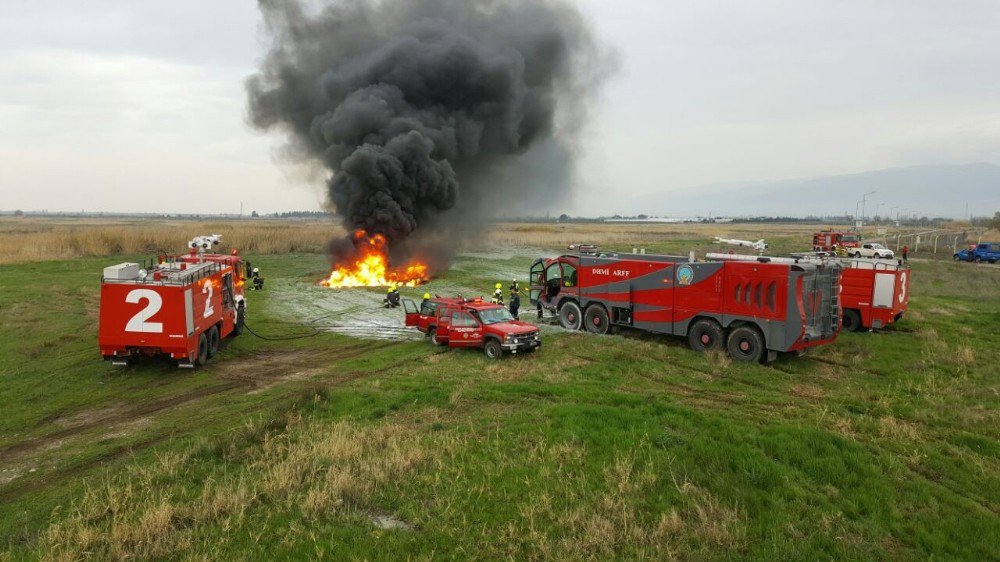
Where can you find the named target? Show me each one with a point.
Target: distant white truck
(873, 250)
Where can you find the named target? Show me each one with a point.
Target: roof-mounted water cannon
(200, 244)
(583, 248)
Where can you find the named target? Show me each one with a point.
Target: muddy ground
(360, 312)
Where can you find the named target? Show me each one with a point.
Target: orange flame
(371, 267)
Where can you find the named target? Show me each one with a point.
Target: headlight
(508, 338)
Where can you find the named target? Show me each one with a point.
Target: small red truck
(461, 322)
(179, 306)
(752, 310)
(825, 240)
(873, 293)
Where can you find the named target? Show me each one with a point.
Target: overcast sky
(140, 106)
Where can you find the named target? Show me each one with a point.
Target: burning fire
(371, 267)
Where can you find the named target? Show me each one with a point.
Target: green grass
(883, 445)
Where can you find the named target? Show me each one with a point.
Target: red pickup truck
(458, 322)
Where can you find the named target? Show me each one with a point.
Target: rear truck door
(885, 288)
(144, 316)
(465, 331)
(412, 314)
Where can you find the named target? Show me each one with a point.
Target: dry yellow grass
(322, 469)
(24, 239)
(628, 234)
(33, 239)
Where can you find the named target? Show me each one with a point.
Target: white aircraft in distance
(759, 245)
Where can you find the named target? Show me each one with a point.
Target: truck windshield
(494, 315)
(849, 238)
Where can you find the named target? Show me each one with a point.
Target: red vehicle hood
(514, 327)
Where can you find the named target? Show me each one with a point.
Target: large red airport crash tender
(752, 310)
(179, 306)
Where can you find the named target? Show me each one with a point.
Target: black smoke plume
(418, 107)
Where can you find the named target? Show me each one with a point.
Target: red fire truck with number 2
(182, 307)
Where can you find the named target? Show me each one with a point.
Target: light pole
(877, 217)
(864, 201)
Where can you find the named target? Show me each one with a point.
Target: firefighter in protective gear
(392, 297)
(423, 303)
(498, 295)
(514, 288)
(256, 279)
(515, 305)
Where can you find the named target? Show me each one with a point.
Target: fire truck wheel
(706, 335)
(851, 321)
(202, 350)
(596, 319)
(433, 334)
(492, 349)
(570, 316)
(213, 341)
(745, 344)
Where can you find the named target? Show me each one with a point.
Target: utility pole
(864, 201)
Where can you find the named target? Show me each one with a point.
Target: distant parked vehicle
(873, 250)
(988, 252)
(828, 240)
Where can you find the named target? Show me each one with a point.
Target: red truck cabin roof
(466, 304)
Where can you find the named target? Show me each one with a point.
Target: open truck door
(536, 279)
(412, 314)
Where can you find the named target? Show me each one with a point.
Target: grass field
(882, 446)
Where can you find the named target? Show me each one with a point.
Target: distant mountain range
(925, 190)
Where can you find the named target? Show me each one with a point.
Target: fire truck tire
(570, 316)
(597, 320)
(745, 344)
(202, 350)
(706, 335)
(492, 349)
(213, 341)
(433, 335)
(851, 321)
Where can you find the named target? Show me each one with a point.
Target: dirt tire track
(28, 445)
(11, 452)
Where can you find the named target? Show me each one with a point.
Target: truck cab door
(444, 324)
(536, 280)
(412, 314)
(465, 331)
(553, 282)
